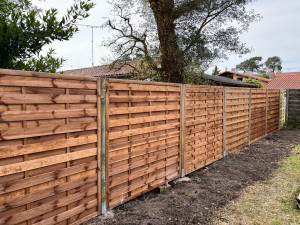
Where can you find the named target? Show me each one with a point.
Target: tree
(274, 63)
(256, 82)
(26, 29)
(253, 64)
(216, 71)
(181, 32)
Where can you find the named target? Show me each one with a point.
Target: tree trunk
(172, 58)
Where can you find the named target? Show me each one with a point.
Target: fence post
(99, 144)
(103, 146)
(266, 130)
(249, 125)
(182, 125)
(287, 107)
(224, 121)
(281, 108)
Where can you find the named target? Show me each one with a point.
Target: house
(120, 70)
(284, 81)
(128, 71)
(240, 77)
(123, 71)
(224, 81)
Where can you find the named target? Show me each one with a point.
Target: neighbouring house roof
(285, 81)
(244, 75)
(119, 70)
(128, 70)
(224, 81)
(289, 73)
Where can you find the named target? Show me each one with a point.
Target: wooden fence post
(99, 144)
(249, 125)
(182, 127)
(266, 130)
(287, 107)
(281, 108)
(224, 122)
(103, 146)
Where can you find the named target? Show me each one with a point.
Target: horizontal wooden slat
(29, 214)
(45, 130)
(125, 110)
(130, 121)
(38, 163)
(44, 75)
(142, 98)
(141, 87)
(131, 132)
(45, 98)
(24, 81)
(16, 150)
(45, 177)
(45, 114)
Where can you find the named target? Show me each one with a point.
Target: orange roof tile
(285, 81)
(105, 70)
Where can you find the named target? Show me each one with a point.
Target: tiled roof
(295, 73)
(285, 81)
(106, 70)
(227, 81)
(245, 75)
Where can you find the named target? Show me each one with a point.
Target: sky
(277, 34)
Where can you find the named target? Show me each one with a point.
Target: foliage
(256, 82)
(216, 71)
(180, 32)
(26, 29)
(197, 78)
(264, 76)
(274, 63)
(41, 63)
(253, 64)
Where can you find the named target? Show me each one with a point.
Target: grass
(269, 202)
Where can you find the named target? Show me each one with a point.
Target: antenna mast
(92, 27)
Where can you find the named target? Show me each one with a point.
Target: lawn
(269, 202)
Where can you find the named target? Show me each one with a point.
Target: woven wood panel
(203, 126)
(237, 118)
(293, 107)
(143, 149)
(48, 148)
(273, 110)
(258, 114)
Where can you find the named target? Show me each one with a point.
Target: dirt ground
(211, 188)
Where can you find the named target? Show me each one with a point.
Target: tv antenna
(92, 27)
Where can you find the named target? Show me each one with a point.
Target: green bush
(250, 80)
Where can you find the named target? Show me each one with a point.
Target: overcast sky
(277, 34)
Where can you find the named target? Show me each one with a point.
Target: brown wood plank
(37, 163)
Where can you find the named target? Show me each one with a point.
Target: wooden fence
(203, 142)
(293, 107)
(143, 137)
(73, 147)
(48, 148)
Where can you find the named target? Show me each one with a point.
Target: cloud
(276, 34)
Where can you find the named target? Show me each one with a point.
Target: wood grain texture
(237, 118)
(144, 138)
(203, 126)
(48, 148)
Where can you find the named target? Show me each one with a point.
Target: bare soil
(210, 188)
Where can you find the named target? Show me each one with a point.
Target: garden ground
(215, 192)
